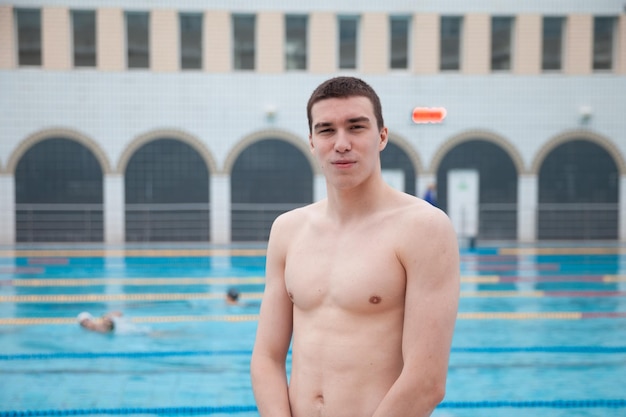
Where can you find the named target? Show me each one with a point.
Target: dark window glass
(450, 55)
(244, 27)
(578, 172)
(58, 171)
(552, 51)
(166, 171)
(296, 42)
(191, 40)
(58, 194)
(348, 37)
(603, 42)
(28, 36)
(268, 178)
(138, 39)
(167, 193)
(501, 43)
(399, 49)
(84, 37)
(578, 193)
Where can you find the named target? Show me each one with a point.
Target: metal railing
(59, 223)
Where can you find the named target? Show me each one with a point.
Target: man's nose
(342, 142)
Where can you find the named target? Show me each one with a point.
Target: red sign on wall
(429, 114)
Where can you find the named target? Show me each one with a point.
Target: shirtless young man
(366, 282)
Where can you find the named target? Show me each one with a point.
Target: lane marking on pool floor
(563, 251)
(182, 281)
(129, 253)
(93, 282)
(544, 315)
(92, 298)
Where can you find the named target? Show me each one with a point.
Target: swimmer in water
(104, 324)
(232, 296)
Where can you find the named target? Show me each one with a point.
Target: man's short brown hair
(344, 87)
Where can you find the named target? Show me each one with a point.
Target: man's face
(346, 140)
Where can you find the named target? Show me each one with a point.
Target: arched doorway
(58, 193)
(268, 178)
(167, 193)
(578, 193)
(497, 211)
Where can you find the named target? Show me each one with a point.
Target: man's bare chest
(360, 274)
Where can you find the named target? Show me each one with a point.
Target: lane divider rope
(97, 298)
(189, 353)
(233, 409)
(25, 321)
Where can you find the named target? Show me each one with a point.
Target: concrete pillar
(426, 43)
(114, 209)
(578, 45)
(375, 43)
(323, 42)
(319, 187)
(476, 47)
(55, 38)
(7, 209)
(217, 41)
(8, 44)
(164, 41)
(527, 199)
(220, 209)
(270, 42)
(527, 49)
(110, 39)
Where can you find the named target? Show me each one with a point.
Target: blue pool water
(541, 331)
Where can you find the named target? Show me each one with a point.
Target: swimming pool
(541, 331)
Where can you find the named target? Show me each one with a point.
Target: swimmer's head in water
(233, 294)
(84, 316)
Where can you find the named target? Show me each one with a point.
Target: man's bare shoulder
(420, 222)
(294, 220)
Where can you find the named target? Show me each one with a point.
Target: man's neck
(345, 205)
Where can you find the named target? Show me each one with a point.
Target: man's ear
(384, 139)
(312, 147)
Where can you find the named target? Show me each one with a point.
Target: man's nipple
(374, 299)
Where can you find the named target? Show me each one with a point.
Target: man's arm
(267, 367)
(429, 253)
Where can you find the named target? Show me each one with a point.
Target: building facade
(168, 121)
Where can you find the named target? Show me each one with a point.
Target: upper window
(501, 42)
(190, 40)
(138, 39)
(244, 41)
(399, 27)
(552, 49)
(450, 54)
(348, 36)
(84, 37)
(603, 42)
(28, 36)
(296, 42)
